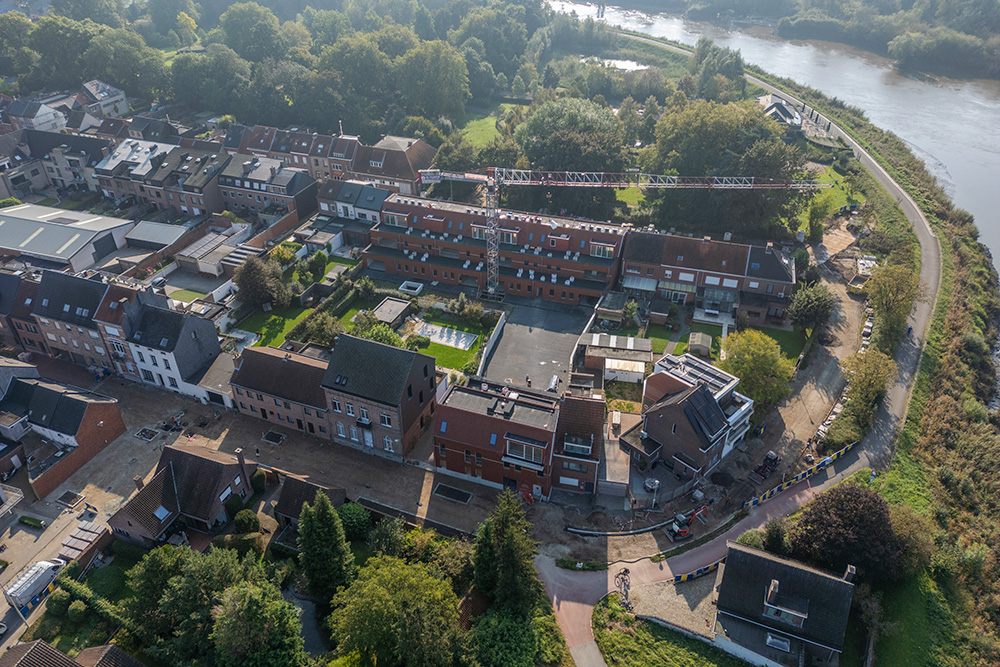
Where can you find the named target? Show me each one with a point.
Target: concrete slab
(447, 336)
(537, 343)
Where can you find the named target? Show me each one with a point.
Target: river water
(953, 125)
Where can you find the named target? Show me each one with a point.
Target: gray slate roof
(9, 284)
(155, 232)
(50, 405)
(159, 328)
(371, 370)
(774, 265)
(748, 574)
(41, 142)
(69, 299)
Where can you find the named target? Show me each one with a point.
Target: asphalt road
(574, 594)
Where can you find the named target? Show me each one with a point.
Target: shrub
(58, 603)
(357, 521)
(234, 505)
(77, 612)
(752, 538)
(258, 481)
(98, 637)
(128, 551)
(388, 538)
(419, 341)
(107, 582)
(247, 522)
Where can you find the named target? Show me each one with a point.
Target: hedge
(100, 606)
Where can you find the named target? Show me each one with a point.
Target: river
(953, 125)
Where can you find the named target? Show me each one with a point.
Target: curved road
(574, 594)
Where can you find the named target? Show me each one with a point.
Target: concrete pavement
(574, 594)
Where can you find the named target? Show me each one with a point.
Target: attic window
(161, 513)
(755, 265)
(66, 308)
(194, 334)
(680, 258)
(163, 342)
(27, 302)
(780, 643)
(45, 302)
(113, 305)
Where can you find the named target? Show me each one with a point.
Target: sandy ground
(688, 604)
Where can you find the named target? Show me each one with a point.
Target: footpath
(574, 594)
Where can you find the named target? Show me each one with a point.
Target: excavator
(680, 529)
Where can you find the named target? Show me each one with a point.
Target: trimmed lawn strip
(626, 641)
(275, 325)
(480, 129)
(660, 337)
(791, 342)
(186, 295)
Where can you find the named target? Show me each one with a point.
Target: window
(387, 443)
(225, 494)
(336, 405)
(236, 482)
(173, 382)
(527, 452)
(307, 412)
(354, 433)
(385, 419)
(51, 337)
(575, 467)
(277, 402)
(239, 392)
(147, 376)
(364, 413)
(142, 358)
(444, 426)
(479, 459)
(166, 364)
(442, 450)
(154, 361)
(601, 250)
(754, 284)
(780, 643)
(340, 429)
(259, 397)
(783, 615)
(468, 456)
(243, 405)
(322, 429)
(253, 409)
(507, 236)
(287, 406)
(575, 445)
(66, 308)
(350, 410)
(493, 439)
(712, 280)
(478, 232)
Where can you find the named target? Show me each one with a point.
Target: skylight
(161, 513)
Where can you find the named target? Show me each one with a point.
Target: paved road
(574, 594)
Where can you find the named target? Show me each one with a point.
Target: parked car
(159, 282)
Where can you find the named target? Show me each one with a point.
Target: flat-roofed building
(59, 239)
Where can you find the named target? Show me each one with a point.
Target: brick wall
(280, 229)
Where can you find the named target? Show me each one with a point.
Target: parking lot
(536, 343)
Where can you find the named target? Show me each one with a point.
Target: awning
(644, 284)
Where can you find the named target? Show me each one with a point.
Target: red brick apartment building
(554, 258)
(521, 439)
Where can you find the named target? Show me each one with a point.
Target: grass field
(293, 274)
(186, 295)
(452, 357)
(711, 329)
(356, 307)
(480, 127)
(48, 201)
(660, 337)
(833, 198)
(630, 196)
(625, 641)
(275, 325)
(791, 342)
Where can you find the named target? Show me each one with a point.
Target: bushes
(247, 522)
(258, 481)
(99, 605)
(77, 612)
(128, 551)
(419, 341)
(356, 520)
(234, 505)
(58, 603)
(107, 582)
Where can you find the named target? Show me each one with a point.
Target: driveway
(575, 593)
(537, 343)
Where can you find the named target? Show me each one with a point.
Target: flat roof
(497, 400)
(696, 370)
(155, 232)
(390, 309)
(52, 233)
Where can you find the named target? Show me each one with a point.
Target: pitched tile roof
(770, 264)
(371, 370)
(583, 418)
(748, 574)
(295, 491)
(293, 377)
(10, 283)
(112, 309)
(155, 505)
(687, 253)
(108, 655)
(35, 654)
(69, 298)
(200, 473)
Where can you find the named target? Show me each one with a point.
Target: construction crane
(497, 177)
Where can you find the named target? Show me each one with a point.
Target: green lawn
(712, 330)
(64, 635)
(275, 325)
(833, 198)
(48, 201)
(625, 641)
(660, 337)
(452, 357)
(479, 129)
(791, 342)
(630, 196)
(356, 307)
(186, 295)
(919, 609)
(292, 274)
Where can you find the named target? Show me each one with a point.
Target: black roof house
(781, 609)
(69, 298)
(192, 340)
(370, 370)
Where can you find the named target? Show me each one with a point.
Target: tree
(397, 614)
(77, 612)
(380, 332)
(504, 640)
(246, 521)
(756, 359)
(867, 372)
(502, 31)
(148, 580)
(776, 536)
(434, 80)
(255, 625)
(106, 12)
(15, 30)
(323, 329)
(502, 557)
(60, 43)
(10, 201)
(218, 79)
(252, 31)
(164, 13)
(122, 58)
(388, 537)
(850, 525)
(356, 519)
(324, 554)
(892, 290)
(260, 281)
(58, 603)
(812, 305)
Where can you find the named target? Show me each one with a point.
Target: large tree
(892, 290)
(502, 557)
(252, 31)
(120, 57)
(60, 43)
(260, 281)
(850, 525)
(107, 12)
(397, 614)
(254, 625)
(812, 305)
(434, 80)
(324, 554)
(867, 372)
(756, 359)
(502, 31)
(164, 13)
(148, 580)
(218, 79)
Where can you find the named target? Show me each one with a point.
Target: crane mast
(497, 177)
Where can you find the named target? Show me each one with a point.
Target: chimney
(274, 170)
(247, 167)
(849, 573)
(138, 482)
(706, 240)
(239, 455)
(769, 248)
(772, 591)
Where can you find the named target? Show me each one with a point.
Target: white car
(3, 629)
